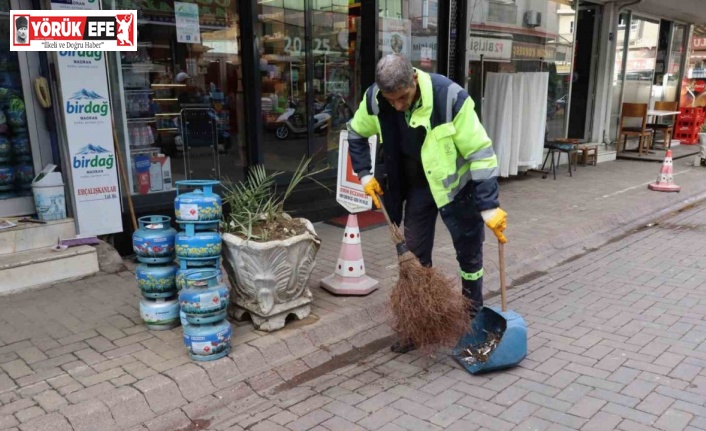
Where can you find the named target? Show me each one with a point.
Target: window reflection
(522, 37)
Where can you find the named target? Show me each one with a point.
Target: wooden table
(658, 113)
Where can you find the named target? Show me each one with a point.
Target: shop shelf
(167, 114)
(168, 130)
(141, 120)
(135, 149)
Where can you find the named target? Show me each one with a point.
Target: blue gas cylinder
(199, 248)
(208, 342)
(153, 242)
(182, 273)
(21, 146)
(202, 207)
(5, 149)
(7, 177)
(157, 281)
(205, 297)
(160, 314)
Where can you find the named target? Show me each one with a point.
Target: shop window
(547, 48)
(180, 94)
(410, 28)
(16, 161)
(502, 12)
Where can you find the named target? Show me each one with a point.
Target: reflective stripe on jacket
(456, 148)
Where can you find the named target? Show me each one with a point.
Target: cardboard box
(160, 173)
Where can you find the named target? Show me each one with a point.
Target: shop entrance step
(32, 236)
(44, 267)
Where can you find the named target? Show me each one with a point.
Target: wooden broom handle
(384, 212)
(126, 183)
(503, 287)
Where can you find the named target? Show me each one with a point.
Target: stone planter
(269, 279)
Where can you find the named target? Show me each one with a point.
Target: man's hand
(496, 220)
(372, 188)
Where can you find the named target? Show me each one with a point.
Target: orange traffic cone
(349, 277)
(665, 181)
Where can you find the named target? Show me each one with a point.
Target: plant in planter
(267, 254)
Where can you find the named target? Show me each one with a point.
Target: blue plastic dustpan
(511, 349)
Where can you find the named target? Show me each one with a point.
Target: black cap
(21, 21)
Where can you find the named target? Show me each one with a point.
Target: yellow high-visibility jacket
(456, 149)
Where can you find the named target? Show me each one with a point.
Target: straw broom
(427, 308)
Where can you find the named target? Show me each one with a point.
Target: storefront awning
(690, 11)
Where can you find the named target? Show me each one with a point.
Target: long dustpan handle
(503, 287)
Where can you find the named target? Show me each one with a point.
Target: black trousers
(465, 224)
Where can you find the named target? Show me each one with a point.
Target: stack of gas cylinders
(153, 244)
(203, 298)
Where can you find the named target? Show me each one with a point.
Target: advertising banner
(349, 190)
(395, 36)
(186, 16)
(73, 30)
(87, 116)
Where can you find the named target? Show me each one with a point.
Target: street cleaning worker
(438, 159)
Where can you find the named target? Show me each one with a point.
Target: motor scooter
(292, 123)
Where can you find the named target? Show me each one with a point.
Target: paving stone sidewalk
(617, 341)
(77, 353)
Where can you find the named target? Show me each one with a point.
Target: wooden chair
(634, 110)
(667, 129)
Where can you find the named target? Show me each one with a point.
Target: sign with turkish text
(74, 5)
(533, 51)
(349, 190)
(73, 30)
(698, 43)
(424, 48)
(186, 16)
(492, 49)
(87, 120)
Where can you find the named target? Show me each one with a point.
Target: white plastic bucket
(49, 198)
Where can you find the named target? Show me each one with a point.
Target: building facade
(217, 86)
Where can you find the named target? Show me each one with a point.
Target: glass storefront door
(25, 145)
(509, 39)
(640, 64)
(410, 27)
(674, 65)
(336, 89)
(308, 89)
(617, 93)
(180, 94)
(635, 62)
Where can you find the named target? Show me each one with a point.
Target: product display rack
(149, 113)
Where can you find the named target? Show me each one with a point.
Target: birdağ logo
(87, 102)
(73, 30)
(93, 156)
